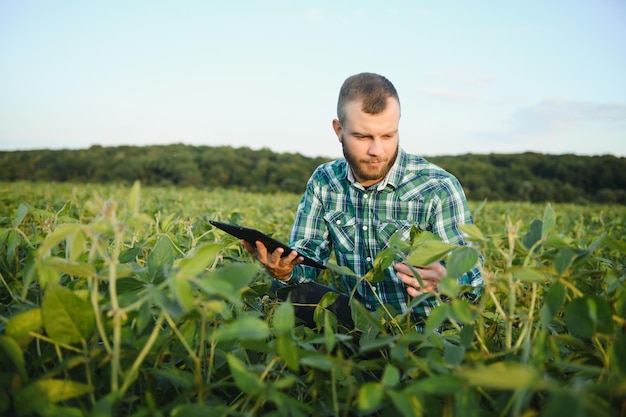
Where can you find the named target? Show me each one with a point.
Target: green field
(125, 301)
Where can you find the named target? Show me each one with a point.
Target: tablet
(253, 235)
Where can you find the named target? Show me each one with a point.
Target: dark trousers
(311, 293)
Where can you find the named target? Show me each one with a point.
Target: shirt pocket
(387, 228)
(341, 227)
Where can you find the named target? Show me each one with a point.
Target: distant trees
(507, 177)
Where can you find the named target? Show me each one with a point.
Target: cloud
(556, 115)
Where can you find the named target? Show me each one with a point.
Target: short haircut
(372, 89)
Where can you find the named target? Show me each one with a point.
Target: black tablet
(253, 235)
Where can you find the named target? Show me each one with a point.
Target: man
(352, 206)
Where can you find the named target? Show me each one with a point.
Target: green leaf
(317, 361)
(134, 196)
(461, 260)
(244, 328)
(409, 405)
(564, 403)
(284, 318)
(528, 274)
(391, 376)
(22, 209)
(75, 269)
(554, 298)
(288, 350)
(429, 252)
(67, 318)
(246, 381)
(40, 394)
(618, 349)
(473, 232)
(583, 314)
(534, 234)
(58, 235)
(549, 220)
(453, 354)
(13, 351)
(328, 299)
(502, 376)
(330, 322)
(564, 258)
(370, 396)
(436, 384)
(23, 323)
(449, 286)
(76, 243)
(436, 318)
(467, 335)
(182, 291)
(196, 262)
(462, 311)
(341, 270)
(161, 255)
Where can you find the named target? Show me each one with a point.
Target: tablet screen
(253, 235)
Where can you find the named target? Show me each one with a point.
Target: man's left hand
(430, 274)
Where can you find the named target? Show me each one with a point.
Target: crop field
(124, 301)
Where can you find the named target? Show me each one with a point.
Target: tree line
(531, 177)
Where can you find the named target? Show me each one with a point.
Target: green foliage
(495, 177)
(133, 304)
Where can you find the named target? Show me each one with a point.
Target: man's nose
(376, 147)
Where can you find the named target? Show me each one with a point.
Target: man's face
(369, 141)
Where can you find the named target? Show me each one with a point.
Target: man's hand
(431, 275)
(277, 266)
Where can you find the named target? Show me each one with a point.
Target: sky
(473, 77)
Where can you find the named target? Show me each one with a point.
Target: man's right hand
(279, 267)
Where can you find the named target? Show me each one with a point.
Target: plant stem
(134, 369)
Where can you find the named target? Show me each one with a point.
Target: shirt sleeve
(448, 212)
(309, 234)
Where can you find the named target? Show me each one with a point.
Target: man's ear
(337, 128)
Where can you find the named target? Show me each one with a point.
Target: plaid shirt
(337, 214)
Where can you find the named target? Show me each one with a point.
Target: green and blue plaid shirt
(337, 214)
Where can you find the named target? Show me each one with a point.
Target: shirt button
(364, 195)
(338, 221)
(368, 259)
(364, 227)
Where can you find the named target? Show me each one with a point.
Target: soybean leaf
(196, 262)
(67, 318)
(502, 376)
(549, 219)
(44, 392)
(10, 347)
(317, 361)
(244, 328)
(473, 232)
(23, 323)
(246, 381)
(284, 319)
(534, 233)
(370, 396)
(436, 318)
(461, 260)
(54, 238)
(22, 209)
(391, 376)
(409, 405)
(161, 255)
(429, 252)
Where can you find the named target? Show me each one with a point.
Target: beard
(362, 171)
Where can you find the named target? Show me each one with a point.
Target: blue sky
(479, 76)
